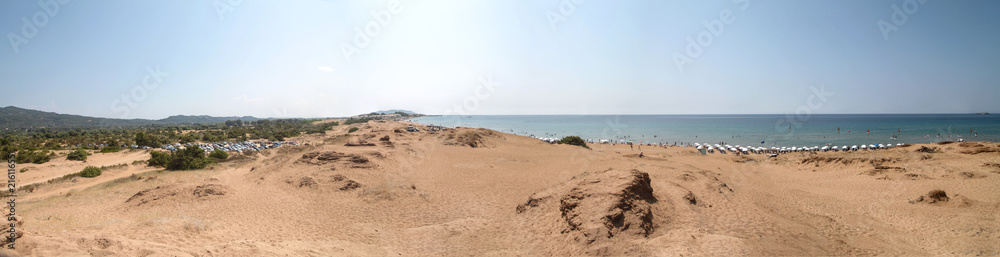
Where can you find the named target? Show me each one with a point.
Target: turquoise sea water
(773, 130)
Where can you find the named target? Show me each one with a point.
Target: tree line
(37, 145)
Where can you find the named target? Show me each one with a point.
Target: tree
(78, 155)
(189, 137)
(190, 158)
(352, 130)
(150, 140)
(159, 159)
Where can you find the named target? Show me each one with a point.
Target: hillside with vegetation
(12, 117)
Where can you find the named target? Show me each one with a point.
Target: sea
(748, 130)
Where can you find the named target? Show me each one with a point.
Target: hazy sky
(290, 58)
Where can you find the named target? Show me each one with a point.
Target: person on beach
(640, 154)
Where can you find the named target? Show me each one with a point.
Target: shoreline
(629, 139)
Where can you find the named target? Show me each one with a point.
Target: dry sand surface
(382, 191)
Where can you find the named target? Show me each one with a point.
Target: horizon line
(603, 114)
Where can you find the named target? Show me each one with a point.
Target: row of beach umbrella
(755, 149)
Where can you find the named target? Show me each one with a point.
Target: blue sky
(287, 58)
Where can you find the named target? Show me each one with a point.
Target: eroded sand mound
(12, 222)
(848, 160)
(595, 208)
(337, 181)
(320, 158)
(940, 197)
(470, 137)
(182, 193)
(980, 149)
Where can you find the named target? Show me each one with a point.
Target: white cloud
(325, 68)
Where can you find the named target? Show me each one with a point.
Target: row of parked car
(238, 147)
(122, 146)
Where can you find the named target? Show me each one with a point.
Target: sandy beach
(382, 191)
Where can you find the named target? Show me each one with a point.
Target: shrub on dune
(574, 140)
(219, 154)
(90, 172)
(33, 156)
(78, 155)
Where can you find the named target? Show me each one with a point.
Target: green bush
(36, 157)
(159, 159)
(191, 158)
(574, 140)
(90, 172)
(219, 154)
(78, 155)
(352, 130)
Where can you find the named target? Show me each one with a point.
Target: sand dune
(382, 191)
